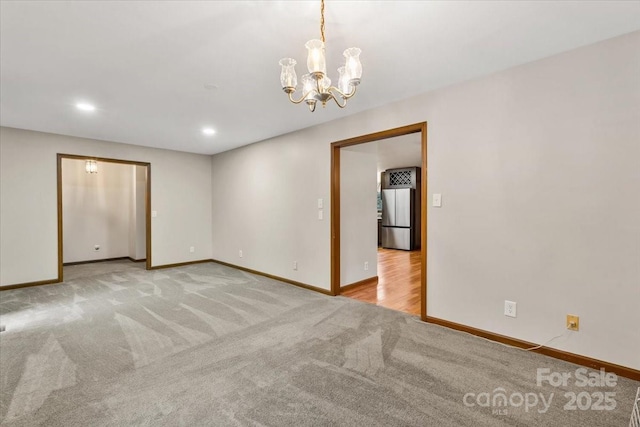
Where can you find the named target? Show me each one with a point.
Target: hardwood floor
(398, 285)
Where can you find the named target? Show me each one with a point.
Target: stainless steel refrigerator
(398, 219)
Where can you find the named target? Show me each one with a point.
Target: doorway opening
(412, 262)
(108, 201)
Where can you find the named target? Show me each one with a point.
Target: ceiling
(160, 71)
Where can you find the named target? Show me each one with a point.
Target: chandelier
(316, 86)
(91, 166)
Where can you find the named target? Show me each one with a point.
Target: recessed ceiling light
(85, 107)
(208, 131)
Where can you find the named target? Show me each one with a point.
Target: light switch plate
(154, 214)
(320, 214)
(320, 203)
(437, 200)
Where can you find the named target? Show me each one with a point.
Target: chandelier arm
(338, 102)
(304, 96)
(342, 94)
(353, 92)
(335, 98)
(335, 89)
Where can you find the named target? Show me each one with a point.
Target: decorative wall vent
(402, 177)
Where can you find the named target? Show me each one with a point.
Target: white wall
(180, 193)
(137, 213)
(95, 210)
(265, 202)
(141, 218)
(132, 212)
(538, 168)
(358, 210)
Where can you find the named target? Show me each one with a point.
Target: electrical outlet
(295, 265)
(96, 248)
(240, 253)
(366, 265)
(510, 308)
(192, 249)
(573, 322)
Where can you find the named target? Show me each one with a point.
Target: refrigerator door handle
(388, 208)
(404, 207)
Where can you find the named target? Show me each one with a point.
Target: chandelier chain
(322, 19)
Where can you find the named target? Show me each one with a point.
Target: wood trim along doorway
(335, 204)
(147, 203)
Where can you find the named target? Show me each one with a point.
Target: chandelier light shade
(288, 76)
(316, 86)
(315, 57)
(91, 166)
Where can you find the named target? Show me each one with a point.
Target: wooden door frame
(335, 203)
(147, 203)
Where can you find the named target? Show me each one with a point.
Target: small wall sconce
(91, 166)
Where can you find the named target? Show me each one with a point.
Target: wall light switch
(437, 200)
(320, 215)
(154, 214)
(192, 249)
(320, 203)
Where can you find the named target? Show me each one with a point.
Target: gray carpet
(211, 345)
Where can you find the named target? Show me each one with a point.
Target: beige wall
(538, 170)
(180, 193)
